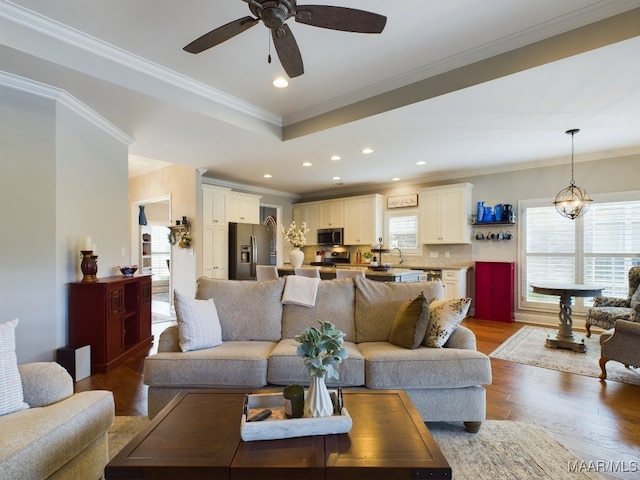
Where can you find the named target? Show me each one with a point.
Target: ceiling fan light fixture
(572, 202)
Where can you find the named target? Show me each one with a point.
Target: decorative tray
(278, 426)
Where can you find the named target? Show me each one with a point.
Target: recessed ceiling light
(280, 82)
(267, 175)
(307, 164)
(335, 157)
(367, 150)
(395, 179)
(335, 178)
(421, 162)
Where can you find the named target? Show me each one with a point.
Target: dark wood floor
(598, 422)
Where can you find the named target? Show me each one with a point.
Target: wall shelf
(489, 224)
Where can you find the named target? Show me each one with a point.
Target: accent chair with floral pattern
(606, 310)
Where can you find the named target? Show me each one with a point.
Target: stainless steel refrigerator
(248, 247)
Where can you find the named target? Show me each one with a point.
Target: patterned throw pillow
(198, 323)
(445, 315)
(410, 323)
(11, 394)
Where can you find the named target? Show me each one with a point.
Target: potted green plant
(322, 350)
(367, 257)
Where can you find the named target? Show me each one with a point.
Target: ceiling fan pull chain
(269, 43)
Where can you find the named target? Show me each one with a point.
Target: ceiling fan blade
(288, 51)
(340, 18)
(220, 34)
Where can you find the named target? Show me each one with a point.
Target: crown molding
(63, 98)
(217, 182)
(76, 39)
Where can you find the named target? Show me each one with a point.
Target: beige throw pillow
(11, 393)
(410, 323)
(198, 323)
(445, 315)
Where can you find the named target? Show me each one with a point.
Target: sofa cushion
(198, 323)
(286, 366)
(248, 310)
(445, 315)
(378, 302)
(390, 366)
(11, 395)
(410, 324)
(232, 364)
(335, 302)
(44, 441)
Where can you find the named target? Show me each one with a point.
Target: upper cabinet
(308, 213)
(243, 208)
(331, 214)
(363, 219)
(445, 213)
(214, 206)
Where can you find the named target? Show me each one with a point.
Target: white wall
(61, 177)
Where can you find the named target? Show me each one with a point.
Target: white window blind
(160, 253)
(598, 248)
(402, 231)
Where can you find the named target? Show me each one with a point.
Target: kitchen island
(392, 275)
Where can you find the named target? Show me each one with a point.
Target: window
(598, 248)
(402, 231)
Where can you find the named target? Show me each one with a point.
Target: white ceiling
(397, 92)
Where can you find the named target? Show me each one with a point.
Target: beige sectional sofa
(258, 350)
(61, 435)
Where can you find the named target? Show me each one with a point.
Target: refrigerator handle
(254, 255)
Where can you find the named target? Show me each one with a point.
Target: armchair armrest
(611, 302)
(628, 328)
(44, 383)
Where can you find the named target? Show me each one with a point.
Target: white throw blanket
(300, 290)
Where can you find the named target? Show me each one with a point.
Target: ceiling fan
(274, 14)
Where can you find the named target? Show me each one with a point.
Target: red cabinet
(494, 286)
(113, 315)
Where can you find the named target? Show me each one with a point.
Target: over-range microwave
(330, 236)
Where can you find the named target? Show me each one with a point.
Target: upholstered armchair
(621, 344)
(607, 310)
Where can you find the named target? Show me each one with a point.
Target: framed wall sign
(409, 200)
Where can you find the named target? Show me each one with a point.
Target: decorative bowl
(128, 271)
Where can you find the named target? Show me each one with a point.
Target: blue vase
(498, 212)
(488, 215)
(480, 215)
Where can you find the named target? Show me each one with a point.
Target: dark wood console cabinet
(113, 315)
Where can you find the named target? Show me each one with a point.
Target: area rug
(527, 346)
(502, 449)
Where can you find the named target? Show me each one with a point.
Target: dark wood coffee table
(197, 436)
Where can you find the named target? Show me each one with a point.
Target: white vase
(318, 402)
(296, 256)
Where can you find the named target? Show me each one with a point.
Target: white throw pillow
(11, 394)
(198, 323)
(445, 315)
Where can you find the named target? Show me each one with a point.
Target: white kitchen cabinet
(243, 208)
(215, 251)
(445, 213)
(308, 213)
(331, 214)
(363, 219)
(214, 205)
(455, 282)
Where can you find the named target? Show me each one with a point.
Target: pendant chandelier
(573, 201)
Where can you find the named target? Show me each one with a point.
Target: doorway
(151, 250)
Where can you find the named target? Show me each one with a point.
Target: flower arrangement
(322, 349)
(294, 235)
(185, 240)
